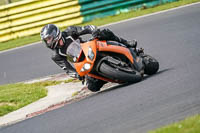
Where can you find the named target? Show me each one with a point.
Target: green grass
(189, 125)
(15, 96)
(98, 22)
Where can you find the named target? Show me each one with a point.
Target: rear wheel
(151, 65)
(117, 74)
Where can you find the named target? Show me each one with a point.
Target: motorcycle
(110, 61)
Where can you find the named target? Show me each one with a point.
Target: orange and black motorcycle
(110, 61)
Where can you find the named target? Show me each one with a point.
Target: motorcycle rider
(58, 41)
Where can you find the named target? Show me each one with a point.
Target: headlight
(75, 59)
(86, 67)
(90, 54)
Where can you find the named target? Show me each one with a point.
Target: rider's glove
(82, 78)
(71, 74)
(76, 75)
(79, 77)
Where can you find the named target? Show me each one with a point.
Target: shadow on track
(158, 73)
(127, 84)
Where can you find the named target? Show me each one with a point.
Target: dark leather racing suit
(75, 32)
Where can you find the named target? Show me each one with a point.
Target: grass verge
(98, 22)
(189, 125)
(15, 96)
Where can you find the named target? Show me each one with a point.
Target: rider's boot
(128, 43)
(141, 50)
(107, 34)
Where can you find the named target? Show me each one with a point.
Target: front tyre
(151, 65)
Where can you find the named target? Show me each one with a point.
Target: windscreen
(74, 48)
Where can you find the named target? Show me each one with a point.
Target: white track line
(20, 47)
(160, 12)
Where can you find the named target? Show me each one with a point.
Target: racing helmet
(50, 35)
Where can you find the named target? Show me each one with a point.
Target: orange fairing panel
(85, 47)
(102, 46)
(78, 67)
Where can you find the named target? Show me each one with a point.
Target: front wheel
(151, 65)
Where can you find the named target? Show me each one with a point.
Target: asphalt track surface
(173, 93)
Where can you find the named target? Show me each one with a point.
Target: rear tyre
(151, 65)
(118, 74)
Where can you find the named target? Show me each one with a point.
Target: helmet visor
(48, 40)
